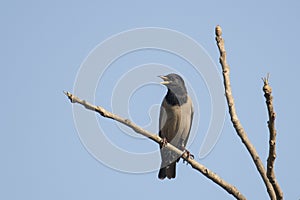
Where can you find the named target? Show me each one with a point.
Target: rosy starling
(175, 121)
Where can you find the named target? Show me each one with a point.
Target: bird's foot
(163, 142)
(188, 155)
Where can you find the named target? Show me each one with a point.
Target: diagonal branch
(272, 141)
(234, 118)
(197, 166)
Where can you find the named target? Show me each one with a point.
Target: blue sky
(43, 45)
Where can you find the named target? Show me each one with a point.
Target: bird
(175, 121)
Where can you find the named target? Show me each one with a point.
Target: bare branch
(199, 167)
(234, 118)
(272, 140)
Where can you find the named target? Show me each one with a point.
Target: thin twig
(234, 118)
(272, 140)
(199, 167)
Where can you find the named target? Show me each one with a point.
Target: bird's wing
(162, 118)
(169, 120)
(190, 122)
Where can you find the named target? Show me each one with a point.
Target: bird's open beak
(165, 79)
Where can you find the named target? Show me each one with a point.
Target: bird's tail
(168, 171)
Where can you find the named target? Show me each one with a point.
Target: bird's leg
(163, 142)
(189, 155)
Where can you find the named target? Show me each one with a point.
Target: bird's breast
(175, 121)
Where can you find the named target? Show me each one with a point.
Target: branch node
(218, 31)
(69, 95)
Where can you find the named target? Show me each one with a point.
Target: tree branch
(197, 166)
(234, 118)
(272, 140)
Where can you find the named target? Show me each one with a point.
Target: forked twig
(234, 118)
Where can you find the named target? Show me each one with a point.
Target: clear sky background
(43, 44)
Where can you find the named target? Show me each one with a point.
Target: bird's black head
(177, 92)
(174, 82)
